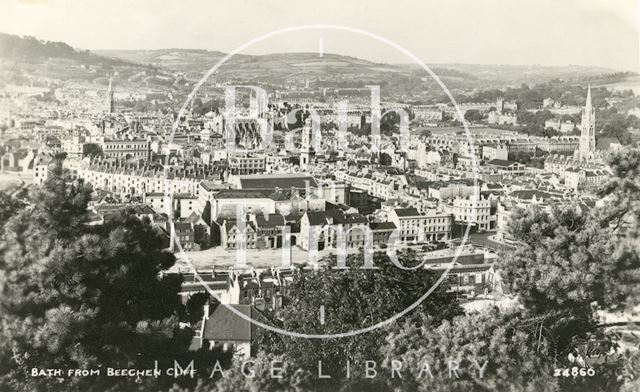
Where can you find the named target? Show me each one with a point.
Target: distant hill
(330, 70)
(280, 66)
(196, 60)
(175, 59)
(28, 60)
(38, 62)
(13, 47)
(514, 74)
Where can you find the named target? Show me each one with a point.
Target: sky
(546, 32)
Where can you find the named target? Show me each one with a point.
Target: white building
(473, 210)
(414, 226)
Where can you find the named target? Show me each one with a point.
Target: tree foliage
(570, 262)
(501, 344)
(353, 299)
(78, 296)
(9, 206)
(473, 115)
(92, 150)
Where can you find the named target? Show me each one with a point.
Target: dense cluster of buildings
(271, 184)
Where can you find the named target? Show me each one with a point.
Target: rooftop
(406, 212)
(272, 181)
(224, 324)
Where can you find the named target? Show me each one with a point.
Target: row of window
(125, 146)
(424, 221)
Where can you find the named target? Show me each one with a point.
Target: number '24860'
(574, 372)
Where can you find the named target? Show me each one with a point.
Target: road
(220, 258)
(483, 239)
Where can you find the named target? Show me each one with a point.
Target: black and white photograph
(319, 196)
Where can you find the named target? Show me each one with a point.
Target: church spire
(588, 108)
(110, 103)
(587, 131)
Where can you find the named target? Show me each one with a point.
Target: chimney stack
(206, 311)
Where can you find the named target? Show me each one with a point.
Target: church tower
(110, 103)
(587, 127)
(307, 151)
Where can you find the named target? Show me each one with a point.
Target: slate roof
(404, 212)
(527, 194)
(604, 143)
(457, 182)
(215, 281)
(316, 218)
(340, 217)
(114, 209)
(265, 181)
(281, 194)
(274, 220)
(229, 224)
(501, 162)
(225, 325)
(383, 226)
(211, 186)
(182, 227)
(241, 194)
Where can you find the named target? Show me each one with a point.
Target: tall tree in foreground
(492, 351)
(72, 296)
(570, 263)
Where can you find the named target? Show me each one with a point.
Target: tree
(78, 296)
(508, 352)
(9, 206)
(206, 213)
(353, 298)
(521, 157)
(194, 309)
(621, 213)
(473, 115)
(567, 256)
(385, 159)
(610, 123)
(91, 150)
(264, 373)
(570, 260)
(550, 132)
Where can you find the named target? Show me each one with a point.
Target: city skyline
(588, 33)
(307, 205)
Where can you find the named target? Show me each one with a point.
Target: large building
(587, 156)
(226, 204)
(124, 178)
(247, 163)
(334, 228)
(127, 148)
(414, 226)
(332, 191)
(473, 210)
